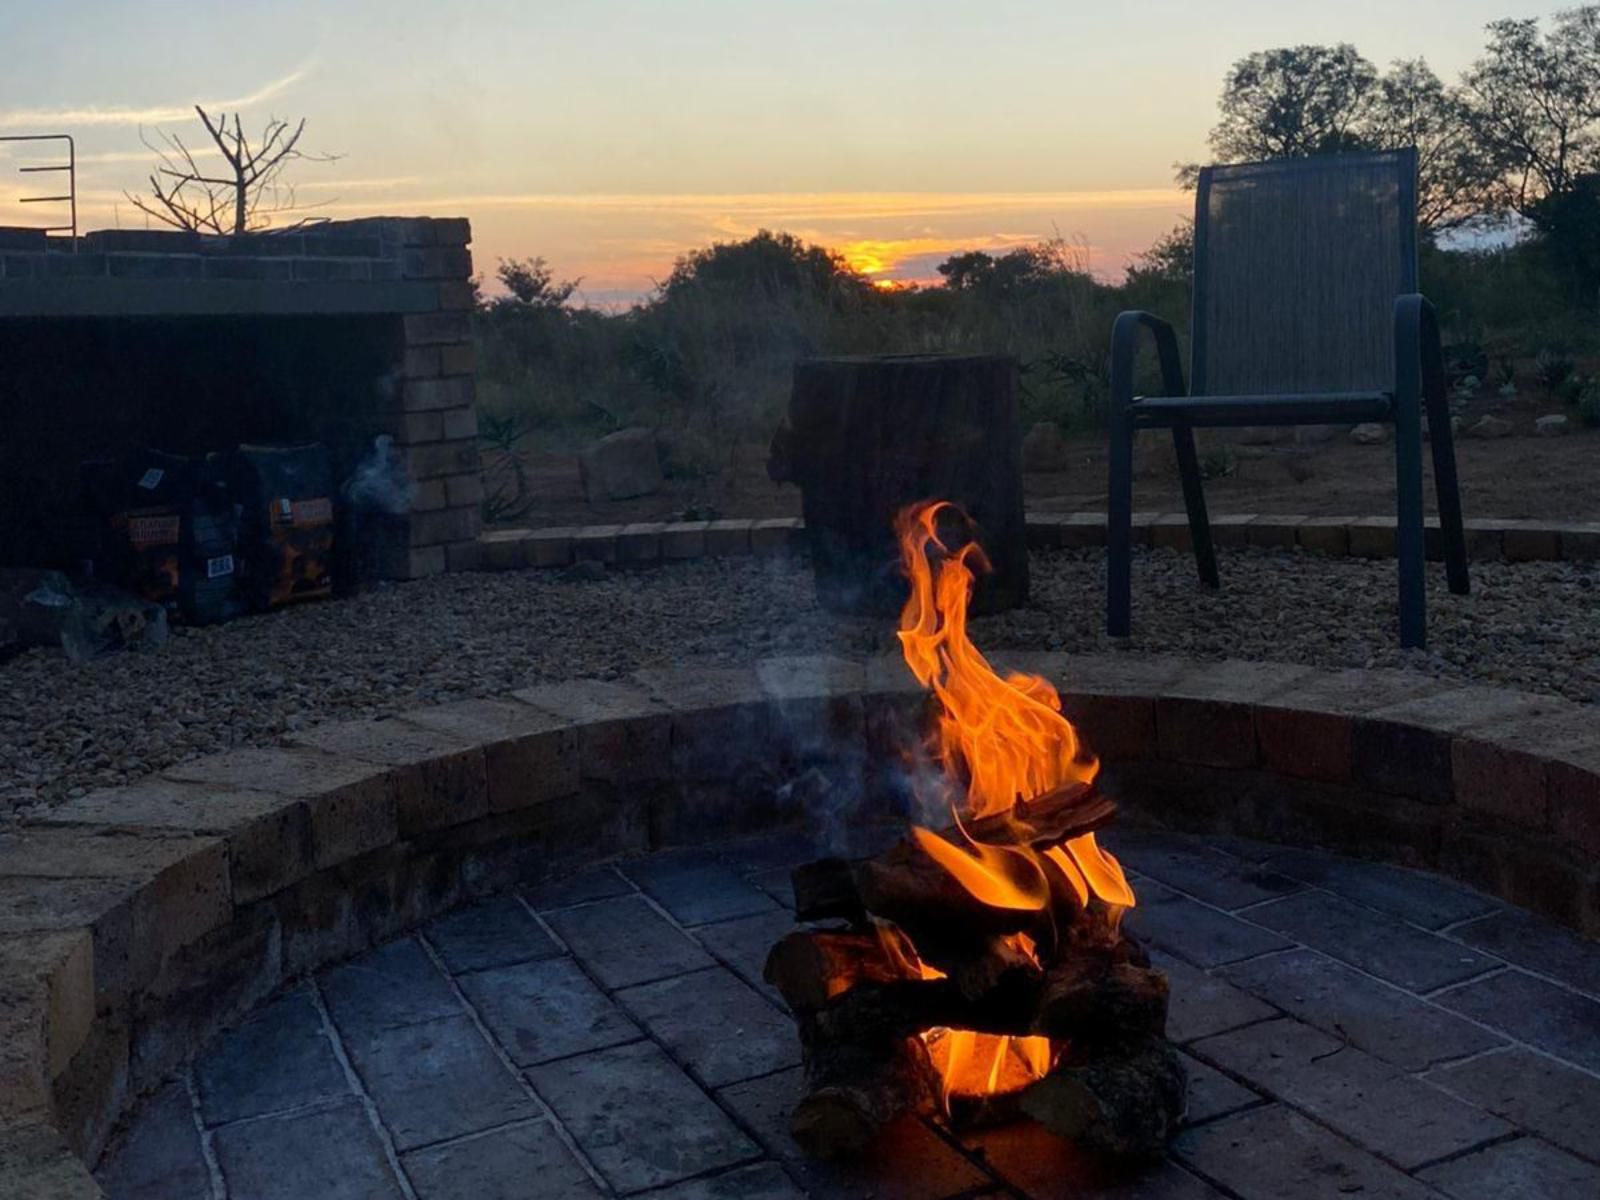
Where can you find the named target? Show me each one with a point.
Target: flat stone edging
(648, 543)
(135, 923)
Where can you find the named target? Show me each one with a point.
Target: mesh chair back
(1297, 265)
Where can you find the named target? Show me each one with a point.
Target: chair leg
(1441, 440)
(1194, 500)
(1409, 522)
(1119, 528)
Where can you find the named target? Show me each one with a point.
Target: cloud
(50, 119)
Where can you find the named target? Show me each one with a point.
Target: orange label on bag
(301, 514)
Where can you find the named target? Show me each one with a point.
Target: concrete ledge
(137, 922)
(1361, 537)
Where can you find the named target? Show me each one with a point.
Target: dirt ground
(1520, 476)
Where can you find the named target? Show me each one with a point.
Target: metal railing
(70, 197)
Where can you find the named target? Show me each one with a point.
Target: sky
(611, 136)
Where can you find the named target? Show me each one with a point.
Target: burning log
(1127, 1103)
(851, 1095)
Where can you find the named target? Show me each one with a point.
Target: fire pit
(980, 970)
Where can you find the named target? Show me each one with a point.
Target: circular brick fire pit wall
(136, 923)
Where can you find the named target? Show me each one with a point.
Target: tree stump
(867, 436)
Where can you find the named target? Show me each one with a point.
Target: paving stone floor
(1350, 1030)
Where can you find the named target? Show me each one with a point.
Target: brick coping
(651, 542)
(136, 923)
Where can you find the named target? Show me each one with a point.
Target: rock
(621, 465)
(1369, 433)
(1490, 427)
(1552, 425)
(1044, 449)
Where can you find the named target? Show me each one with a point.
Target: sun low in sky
(611, 136)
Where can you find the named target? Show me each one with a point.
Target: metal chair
(1305, 312)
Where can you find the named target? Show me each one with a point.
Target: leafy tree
(530, 282)
(768, 264)
(1534, 103)
(1455, 171)
(1294, 101)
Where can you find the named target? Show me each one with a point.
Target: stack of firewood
(901, 953)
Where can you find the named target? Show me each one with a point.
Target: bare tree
(242, 194)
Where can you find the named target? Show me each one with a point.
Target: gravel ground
(67, 729)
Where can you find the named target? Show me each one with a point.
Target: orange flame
(1008, 739)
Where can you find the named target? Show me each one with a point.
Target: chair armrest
(1419, 359)
(1125, 344)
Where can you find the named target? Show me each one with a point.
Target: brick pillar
(432, 414)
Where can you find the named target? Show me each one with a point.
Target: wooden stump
(867, 436)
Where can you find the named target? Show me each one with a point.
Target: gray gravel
(67, 729)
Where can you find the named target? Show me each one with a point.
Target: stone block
(421, 362)
(498, 932)
(1081, 531)
(396, 888)
(37, 1164)
(684, 539)
(463, 556)
(624, 942)
(277, 1058)
(639, 543)
(504, 549)
(529, 757)
(1170, 531)
(436, 262)
(297, 1153)
(1485, 539)
(159, 1154)
(624, 733)
(692, 1014)
(1274, 531)
(1232, 530)
(480, 1167)
(316, 923)
(154, 266)
(1372, 537)
(1209, 875)
(332, 268)
(723, 538)
(1043, 531)
(696, 887)
(430, 496)
(183, 888)
(1422, 899)
(276, 269)
(1574, 782)
(1203, 1004)
(412, 562)
(595, 543)
(456, 295)
(446, 525)
(1405, 747)
(435, 778)
(441, 458)
(464, 489)
(352, 808)
(1580, 542)
(451, 231)
(1325, 535)
(1538, 1013)
(417, 428)
(436, 328)
(47, 1006)
(1531, 541)
(547, 1009)
(460, 423)
(1208, 732)
(1551, 1099)
(268, 837)
(431, 395)
(550, 547)
(1502, 767)
(1193, 931)
(460, 358)
(776, 535)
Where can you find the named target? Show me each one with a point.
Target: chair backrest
(1297, 264)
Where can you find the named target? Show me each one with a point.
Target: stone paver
(1193, 867)
(763, 1181)
(1373, 1016)
(776, 883)
(1546, 1097)
(504, 1164)
(624, 941)
(1537, 946)
(437, 1080)
(1274, 1154)
(160, 1157)
(716, 1025)
(1202, 1004)
(332, 1154)
(1424, 900)
(1524, 1169)
(1195, 932)
(1338, 1038)
(1362, 1098)
(1544, 1015)
(278, 1058)
(912, 1162)
(397, 984)
(546, 1010)
(695, 886)
(1376, 943)
(640, 1119)
(493, 934)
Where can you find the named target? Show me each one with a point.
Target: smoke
(380, 482)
